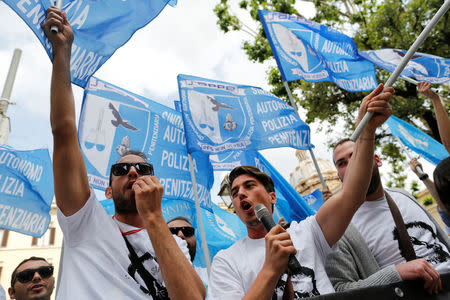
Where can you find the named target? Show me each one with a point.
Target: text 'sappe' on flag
(220, 116)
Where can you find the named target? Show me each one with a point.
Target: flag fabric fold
(26, 190)
(307, 50)
(417, 140)
(100, 27)
(422, 66)
(220, 116)
(113, 120)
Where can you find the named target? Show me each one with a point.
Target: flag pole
(5, 126)
(54, 28)
(410, 80)
(423, 35)
(199, 217)
(313, 157)
(403, 146)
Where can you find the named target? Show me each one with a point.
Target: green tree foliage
(372, 25)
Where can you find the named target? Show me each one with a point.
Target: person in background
(32, 279)
(442, 118)
(182, 227)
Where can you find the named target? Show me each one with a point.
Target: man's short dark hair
(129, 152)
(254, 172)
(180, 218)
(441, 176)
(14, 273)
(340, 142)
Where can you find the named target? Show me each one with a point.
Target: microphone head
(261, 211)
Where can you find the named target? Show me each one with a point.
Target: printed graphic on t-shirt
(153, 287)
(422, 235)
(304, 284)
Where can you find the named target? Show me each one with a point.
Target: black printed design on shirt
(156, 290)
(417, 230)
(303, 282)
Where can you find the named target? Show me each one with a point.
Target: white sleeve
(224, 281)
(83, 224)
(320, 242)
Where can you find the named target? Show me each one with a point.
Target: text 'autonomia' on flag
(314, 52)
(113, 121)
(220, 116)
(26, 190)
(100, 27)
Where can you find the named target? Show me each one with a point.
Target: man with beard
(369, 252)
(132, 255)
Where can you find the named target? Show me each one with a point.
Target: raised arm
(427, 181)
(182, 282)
(69, 172)
(441, 113)
(336, 213)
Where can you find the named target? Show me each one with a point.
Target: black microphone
(264, 216)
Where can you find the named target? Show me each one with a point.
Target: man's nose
(132, 172)
(36, 277)
(180, 234)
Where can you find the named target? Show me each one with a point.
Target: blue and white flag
(314, 200)
(290, 204)
(26, 190)
(422, 66)
(314, 52)
(220, 116)
(100, 27)
(417, 140)
(114, 120)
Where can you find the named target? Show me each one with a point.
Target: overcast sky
(181, 40)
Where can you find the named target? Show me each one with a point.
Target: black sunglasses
(28, 274)
(186, 230)
(142, 168)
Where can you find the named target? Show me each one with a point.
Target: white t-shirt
(95, 262)
(235, 269)
(376, 224)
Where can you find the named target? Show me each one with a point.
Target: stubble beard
(374, 181)
(123, 204)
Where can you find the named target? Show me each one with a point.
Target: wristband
(423, 177)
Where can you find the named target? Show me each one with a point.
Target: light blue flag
(417, 140)
(422, 66)
(100, 27)
(314, 200)
(26, 190)
(289, 203)
(314, 52)
(113, 120)
(220, 116)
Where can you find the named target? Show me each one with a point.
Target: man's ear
(378, 160)
(11, 293)
(108, 192)
(273, 197)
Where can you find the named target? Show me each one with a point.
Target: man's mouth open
(246, 206)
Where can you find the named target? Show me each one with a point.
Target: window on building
(48, 239)
(4, 237)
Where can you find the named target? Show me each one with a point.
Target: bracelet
(423, 177)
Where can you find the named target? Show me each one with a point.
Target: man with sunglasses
(134, 255)
(181, 227)
(32, 279)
